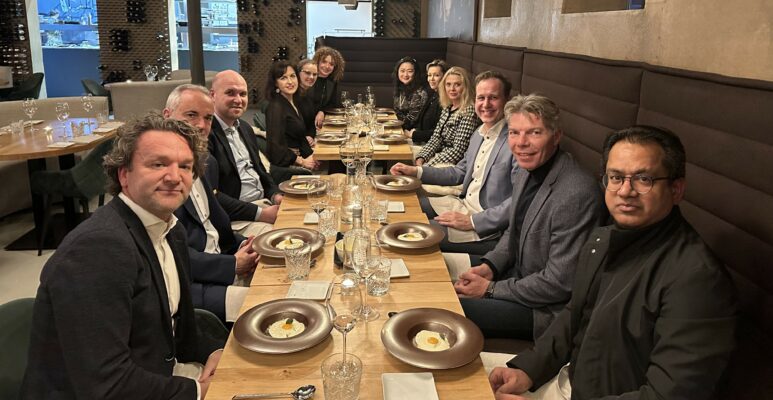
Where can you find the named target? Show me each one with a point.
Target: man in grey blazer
(476, 219)
(527, 279)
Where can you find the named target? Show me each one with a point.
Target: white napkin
(399, 269)
(380, 147)
(311, 290)
(310, 218)
(59, 145)
(409, 386)
(396, 207)
(86, 139)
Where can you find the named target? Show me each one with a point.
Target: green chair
(210, 328)
(16, 323)
(29, 88)
(83, 181)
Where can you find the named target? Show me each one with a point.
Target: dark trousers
(479, 247)
(500, 318)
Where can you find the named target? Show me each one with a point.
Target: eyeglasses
(641, 184)
(309, 73)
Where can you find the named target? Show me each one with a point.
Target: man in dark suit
(653, 311)
(221, 262)
(113, 317)
(555, 204)
(233, 145)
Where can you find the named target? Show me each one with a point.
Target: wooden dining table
(429, 285)
(395, 152)
(35, 148)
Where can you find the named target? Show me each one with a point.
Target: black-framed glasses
(640, 183)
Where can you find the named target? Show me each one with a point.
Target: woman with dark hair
(430, 113)
(330, 64)
(307, 76)
(410, 94)
(285, 129)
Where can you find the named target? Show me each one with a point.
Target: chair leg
(85, 205)
(101, 200)
(46, 220)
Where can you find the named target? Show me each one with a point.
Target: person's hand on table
(402, 169)
(268, 214)
(319, 119)
(454, 219)
(277, 198)
(209, 370)
(483, 270)
(310, 140)
(471, 285)
(419, 162)
(246, 257)
(508, 383)
(408, 133)
(308, 162)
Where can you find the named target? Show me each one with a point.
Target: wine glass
(317, 195)
(344, 305)
(87, 102)
(365, 153)
(345, 99)
(62, 113)
(153, 72)
(148, 72)
(364, 248)
(30, 107)
(348, 152)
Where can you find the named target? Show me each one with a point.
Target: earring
(277, 90)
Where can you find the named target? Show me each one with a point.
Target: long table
(396, 152)
(429, 285)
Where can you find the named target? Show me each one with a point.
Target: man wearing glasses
(652, 313)
(526, 280)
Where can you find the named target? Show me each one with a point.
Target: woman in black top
(330, 64)
(430, 113)
(285, 129)
(410, 96)
(307, 76)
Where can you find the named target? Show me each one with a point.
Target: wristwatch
(489, 291)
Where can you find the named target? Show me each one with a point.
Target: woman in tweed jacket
(457, 121)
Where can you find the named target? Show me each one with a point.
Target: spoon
(302, 393)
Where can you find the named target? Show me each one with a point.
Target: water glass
(341, 379)
(298, 262)
(378, 207)
(17, 128)
(380, 270)
(328, 222)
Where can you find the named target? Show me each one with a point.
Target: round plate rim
(381, 183)
(320, 333)
(287, 188)
(434, 235)
(263, 249)
(447, 359)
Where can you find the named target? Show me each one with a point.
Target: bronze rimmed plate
(465, 338)
(384, 110)
(265, 244)
(301, 186)
(331, 138)
(392, 123)
(336, 111)
(396, 183)
(251, 328)
(410, 235)
(390, 138)
(334, 122)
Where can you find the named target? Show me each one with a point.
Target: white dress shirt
(252, 189)
(201, 204)
(472, 198)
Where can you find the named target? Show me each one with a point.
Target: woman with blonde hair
(330, 66)
(457, 121)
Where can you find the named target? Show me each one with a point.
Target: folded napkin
(310, 290)
(398, 268)
(409, 386)
(86, 138)
(396, 207)
(59, 145)
(380, 147)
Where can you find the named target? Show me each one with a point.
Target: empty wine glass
(348, 152)
(317, 195)
(87, 102)
(345, 99)
(364, 248)
(365, 153)
(62, 113)
(30, 107)
(344, 305)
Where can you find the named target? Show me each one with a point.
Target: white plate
(409, 386)
(396, 207)
(399, 269)
(310, 290)
(310, 218)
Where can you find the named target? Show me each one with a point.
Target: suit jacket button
(169, 357)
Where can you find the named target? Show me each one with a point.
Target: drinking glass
(365, 153)
(344, 305)
(345, 99)
(328, 222)
(317, 195)
(377, 283)
(298, 262)
(348, 152)
(62, 113)
(334, 189)
(341, 374)
(87, 102)
(363, 249)
(30, 107)
(378, 205)
(147, 71)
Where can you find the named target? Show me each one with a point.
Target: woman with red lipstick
(457, 121)
(410, 96)
(430, 113)
(330, 66)
(285, 129)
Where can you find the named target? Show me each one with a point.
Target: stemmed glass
(62, 113)
(365, 248)
(151, 71)
(344, 305)
(345, 99)
(317, 195)
(348, 152)
(88, 104)
(30, 107)
(365, 153)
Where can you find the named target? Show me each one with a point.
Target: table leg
(66, 162)
(34, 165)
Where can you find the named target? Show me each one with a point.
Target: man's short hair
(506, 85)
(173, 101)
(125, 145)
(674, 156)
(537, 105)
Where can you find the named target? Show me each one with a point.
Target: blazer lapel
(475, 142)
(219, 134)
(501, 139)
(539, 199)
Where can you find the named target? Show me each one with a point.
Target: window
(583, 6)
(497, 8)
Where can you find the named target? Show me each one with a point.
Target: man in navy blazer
(528, 277)
(240, 174)
(218, 256)
(474, 220)
(113, 317)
